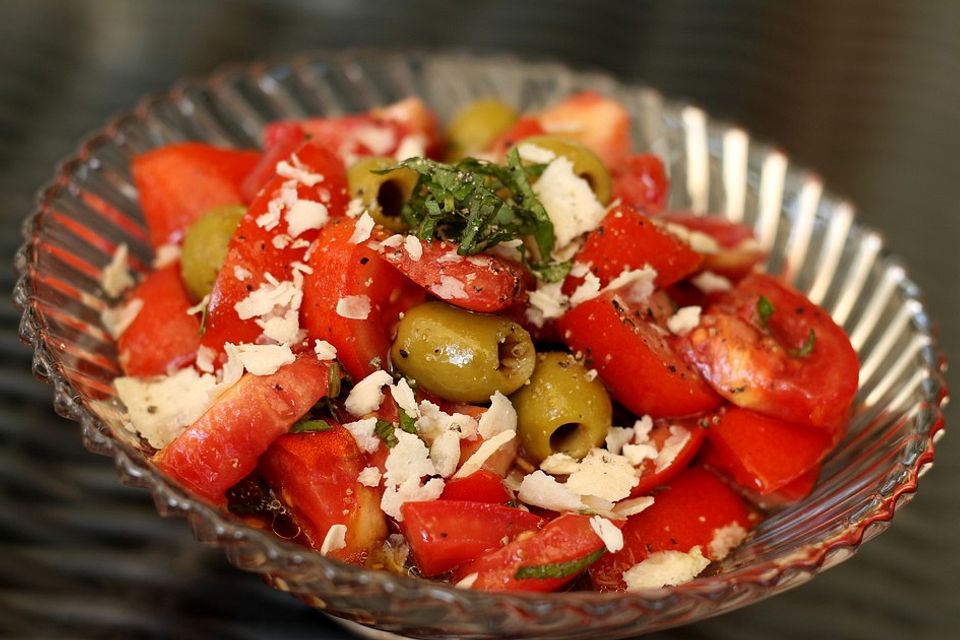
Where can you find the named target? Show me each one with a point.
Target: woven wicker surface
(866, 93)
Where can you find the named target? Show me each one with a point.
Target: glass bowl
(715, 169)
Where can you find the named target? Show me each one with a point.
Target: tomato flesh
(641, 182)
(223, 445)
(650, 477)
(480, 486)
(737, 254)
(280, 140)
(446, 533)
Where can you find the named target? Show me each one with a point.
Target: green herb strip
(479, 204)
(385, 431)
(333, 382)
(558, 569)
(306, 426)
(407, 422)
(807, 347)
(765, 309)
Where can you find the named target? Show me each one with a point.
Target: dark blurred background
(867, 92)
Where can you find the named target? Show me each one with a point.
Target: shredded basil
(407, 422)
(479, 204)
(765, 309)
(306, 426)
(333, 382)
(807, 347)
(558, 569)
(385, 431)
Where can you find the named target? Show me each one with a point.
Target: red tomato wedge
(794, 491)
(343, 270)
(446, 533)
(252, 252)
(315, 476)
(764, 454)
(480, 486)
(179, 183)
(280, 140)
(685, 515)
(737, 253)
(223, 445)
(416, 118)
(682, 439)
(635, 359)
(599, 123)
(627, 239)
(162, 336)
(524, 127)
(479, 283)
(796, 365)
(544, 561)
(641, 182)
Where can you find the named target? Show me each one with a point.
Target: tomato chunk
(445, 533)
(635, 359)
(343, 270)
(627, 239)
(253, 253)
(687, 514)
(552, 557)
(223, 445)
(641, 182)
(162, 336)
(601, 124)
(794, 491)
(796, 364)
(737, 251)
(481, 486)
(682, 440)
(479, 283)
(315, 476)
(178, 183)
(280, 140)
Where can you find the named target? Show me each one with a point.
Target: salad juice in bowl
(466, 347)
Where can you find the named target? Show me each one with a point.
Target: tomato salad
(488, 354)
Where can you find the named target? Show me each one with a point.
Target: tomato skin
(341, 269)
(599, 123)
(635, 359)
(737, 254)
(790, 493)
(223, 445)
(481, 486)
(641, 182)
(565, 538)
(524, 127)
(649, 476)
(764, 454)
(162, 336)
(490, 282)
(683, 516)
(279, 141)
(627, 239)
(751, 365)
(315, 476)
(446, 533)
(252, 248)
(178, 183)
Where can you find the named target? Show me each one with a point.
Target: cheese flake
(335, 539)
(547, 302)
(489, 447)
(559, 464)
(569, 201)
(449, 288)
(608, 532)
(632, 506)
(709, 282)
(405, 398)
(363, 228)
(363, 432)
(433, 422)
(367, 394)
(165, 255)
(355, 208)
(413, 145)
(161, 409)
(467, 581)
(241, 274)
(354, 307)
(369, 477)
(395, 496)
(304, 215)
(685, 320)
(725, 539)
(604, 475)
(617, 437)
(264, 359)
(206, 357)
(665, 569)
(637, 454)
(324, 350)
(532, 153)
(587, 290)
(500, 417)
(672, 446)
(541, 490)
(635, 285)
(116, 277)
(116, 320)
(295, 170)
(411, 244)
(445, 453)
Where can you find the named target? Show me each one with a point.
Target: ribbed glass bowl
(715, 169)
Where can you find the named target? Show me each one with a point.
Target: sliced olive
(205, 247)
(563, 409)
(382, 193)
(460, 355)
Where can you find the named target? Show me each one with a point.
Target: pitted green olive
(462, 356)
(562, 409)
(477, 125)
(382, 193)
(586, 163)
(205, 247)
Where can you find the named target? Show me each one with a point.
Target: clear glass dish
(715, 169)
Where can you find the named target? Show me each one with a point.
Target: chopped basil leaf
(479, 204)
(765, 309)
(385, 431)
(407, 422)
(807, 347)
(304, 426)
(333, 382)
(558, 569)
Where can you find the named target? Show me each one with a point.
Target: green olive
(205, 247)
(382, 193)
(586, 163)
(563, 409)
(460, 355)
(477, 125)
